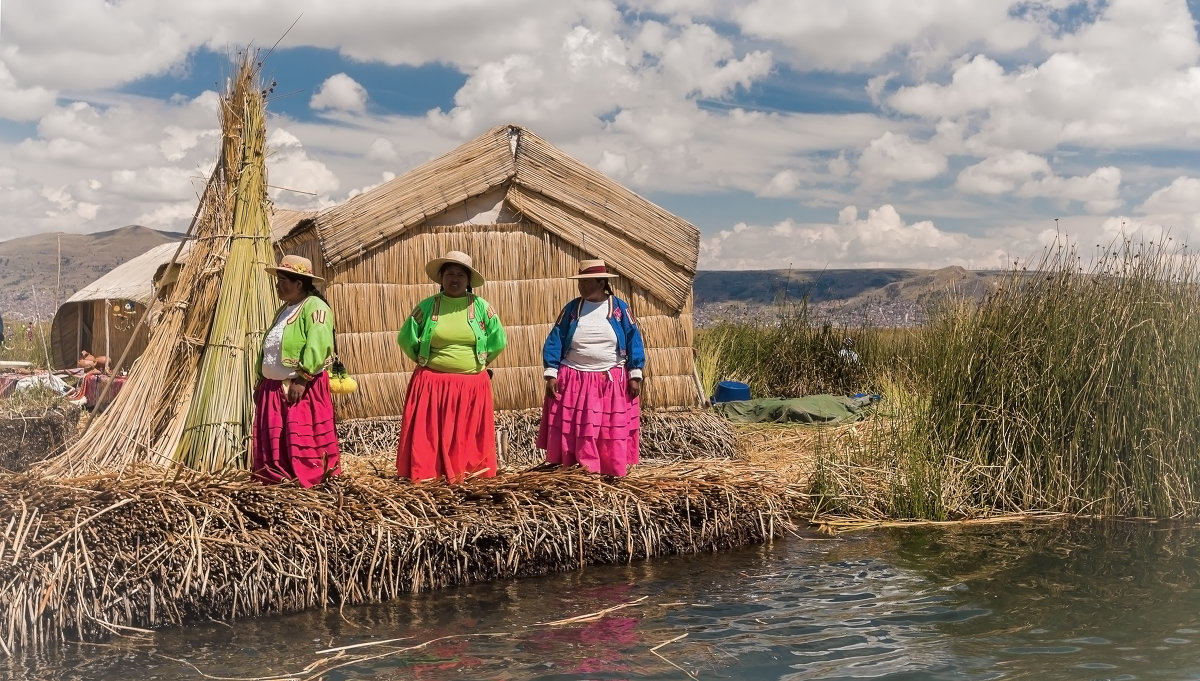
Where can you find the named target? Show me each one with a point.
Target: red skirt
(449, 427)
(593, 422)
(294, 441)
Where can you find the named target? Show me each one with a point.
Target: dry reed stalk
(143, 425)
(217, 430)
(80, 558)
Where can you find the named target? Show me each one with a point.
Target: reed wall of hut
(527, 213)
(526, 268)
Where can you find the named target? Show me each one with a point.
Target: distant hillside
(889, 297)
(849, 297)
(29, 265)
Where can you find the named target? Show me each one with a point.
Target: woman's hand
(552, 387)
(634, 385)
(295, 390)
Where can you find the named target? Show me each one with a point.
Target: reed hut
(527, 213)
(108, 314)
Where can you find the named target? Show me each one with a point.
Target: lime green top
(416, 336)
(452, 346)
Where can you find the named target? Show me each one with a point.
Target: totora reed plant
(1069, 389)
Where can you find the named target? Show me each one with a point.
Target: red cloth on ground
(93, 385)
(449, 427)
(294, 441)
(593, 422)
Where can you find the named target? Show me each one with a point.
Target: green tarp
(817, 409)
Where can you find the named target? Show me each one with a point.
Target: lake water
(1073, 600)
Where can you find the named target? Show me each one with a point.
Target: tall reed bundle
(219, 421)
(84, 558)
(145, 422)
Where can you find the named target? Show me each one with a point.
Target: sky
(806, 134)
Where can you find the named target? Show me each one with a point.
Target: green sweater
(414, 337)
(307, 339)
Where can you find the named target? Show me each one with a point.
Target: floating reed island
(113, 553)
(149, 519)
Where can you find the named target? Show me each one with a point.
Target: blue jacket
(629, 337)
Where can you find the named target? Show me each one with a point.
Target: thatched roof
(643, 242)
(132, 280)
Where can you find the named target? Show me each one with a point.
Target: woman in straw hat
(593, 362)
(449, 428)
(294, 436)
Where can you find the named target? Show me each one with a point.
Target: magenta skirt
(449, 427)
(593, 422)
(294, 441)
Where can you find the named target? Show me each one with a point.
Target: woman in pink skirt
(593, 361)
(294, 437)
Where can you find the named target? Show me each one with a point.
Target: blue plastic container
(731, 391)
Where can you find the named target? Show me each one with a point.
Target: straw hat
(457, 258)
(593, 269)
(296, 265)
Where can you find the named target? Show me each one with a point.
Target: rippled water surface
(1080, 600)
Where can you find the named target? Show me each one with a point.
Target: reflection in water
(1077, 600)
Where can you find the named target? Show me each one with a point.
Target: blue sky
(802, 133)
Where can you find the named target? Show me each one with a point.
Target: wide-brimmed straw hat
(433, 267)
(593, 269)
(296, 265)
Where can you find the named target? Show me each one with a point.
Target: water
(1077, 600)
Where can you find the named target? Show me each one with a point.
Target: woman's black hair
(608, 286)
(442, 269)
(310, 286)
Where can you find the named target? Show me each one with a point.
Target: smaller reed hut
(103, 316)
(107, 314)
(527, 213)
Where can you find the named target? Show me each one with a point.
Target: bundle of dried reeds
(84, 558)
(145, 422)
(220, 417)
(666, 436)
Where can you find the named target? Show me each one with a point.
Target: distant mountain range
(848, 297)
(30, 277)
(30, 272)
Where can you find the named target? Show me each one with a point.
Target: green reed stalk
(1073, 390)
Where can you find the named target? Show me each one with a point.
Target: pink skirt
(449, 427)
(593, 422)
(294, 441)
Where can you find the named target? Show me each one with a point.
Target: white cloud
(897, 158)
(880, 100)
(1180, 197)
(1098, 192)
(1002, 174)
(881, 239)
(22, 103)
(851, 34)
(383, 151)
(340, 92)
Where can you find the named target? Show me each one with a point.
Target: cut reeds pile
(666, 436)
(195, 373)
(31, 433)
(84, 558)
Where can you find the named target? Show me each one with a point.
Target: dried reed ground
(83, 558)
